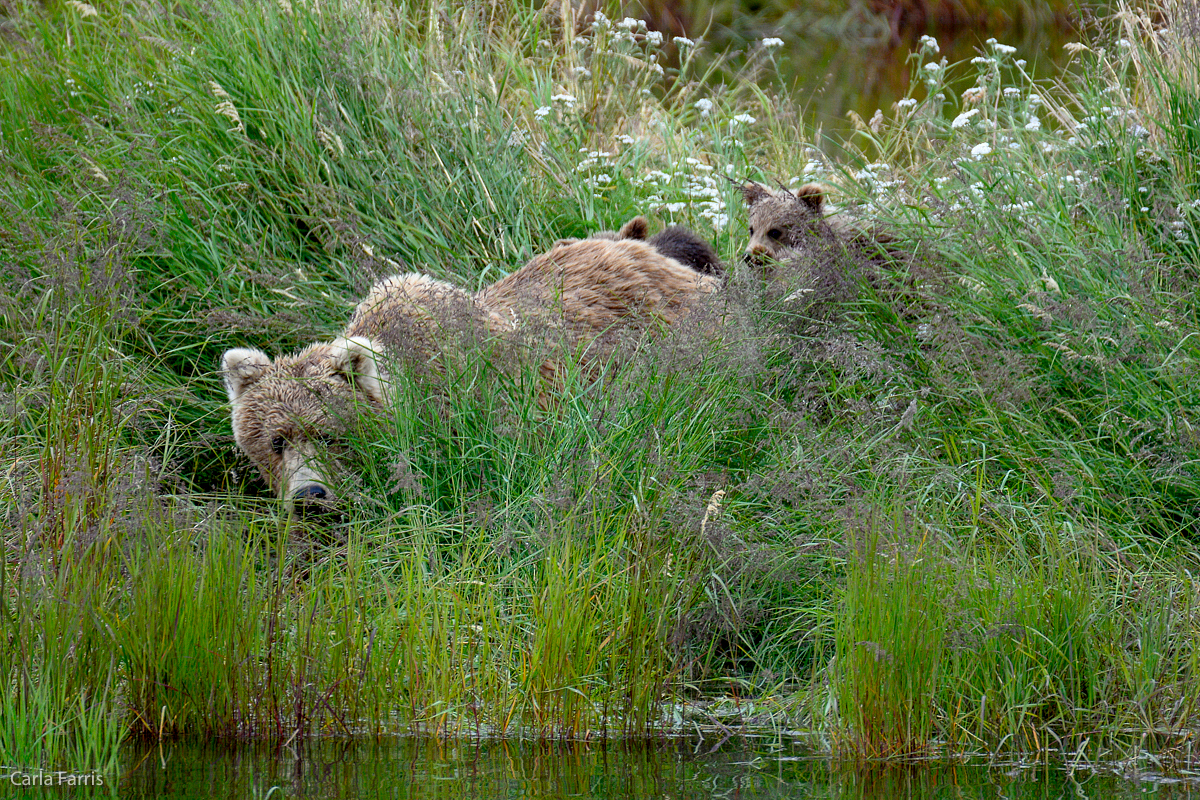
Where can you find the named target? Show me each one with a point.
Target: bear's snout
(310, 500)
(760, 259)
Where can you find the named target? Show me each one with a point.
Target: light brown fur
(579, 296)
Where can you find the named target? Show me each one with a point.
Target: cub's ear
(753, 192)
(636, 228)
(812, 195)
(241, 367)
(358, 359)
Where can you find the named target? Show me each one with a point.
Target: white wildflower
(980, 150)
(654, 37)
(541, 111)
(704, 106)
(1003, 49)
(907, 102)
(772, 41)
(975, 94)
(929, 43)
(1011, 91)
(932, 67)
(683, 41)
(963, 118)
(630, 24)
(569, 99)
(742, 119)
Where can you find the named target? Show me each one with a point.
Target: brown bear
(801, 244)
(581, 296)
(677, 242)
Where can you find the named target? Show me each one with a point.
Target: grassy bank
(951, 509)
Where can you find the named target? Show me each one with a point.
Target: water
(734, 768)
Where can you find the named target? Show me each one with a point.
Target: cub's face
(285, 412)
(785, 225)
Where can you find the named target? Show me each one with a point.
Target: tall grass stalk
(949, 506)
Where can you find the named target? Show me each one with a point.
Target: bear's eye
(277, 444)
(775, 234)
(751, 230)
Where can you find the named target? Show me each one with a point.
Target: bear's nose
(310, 499)
(311, 492)
(755, 255)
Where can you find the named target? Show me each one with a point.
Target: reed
(950, 510)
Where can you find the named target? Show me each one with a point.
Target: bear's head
(285, 411)
(785, 225)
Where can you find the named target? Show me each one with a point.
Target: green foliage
(951, 503)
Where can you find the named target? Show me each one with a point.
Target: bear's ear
(636, 228)
(241, 367)
(812, 195)
(753, 192)
(357, 359)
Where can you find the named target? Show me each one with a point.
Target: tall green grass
(951, 512)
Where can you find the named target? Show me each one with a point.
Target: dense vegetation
(951, 509)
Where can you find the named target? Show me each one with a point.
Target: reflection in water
(737, 768)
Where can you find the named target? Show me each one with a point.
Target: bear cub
(800, 243)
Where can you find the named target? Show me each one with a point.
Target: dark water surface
(735, 768)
